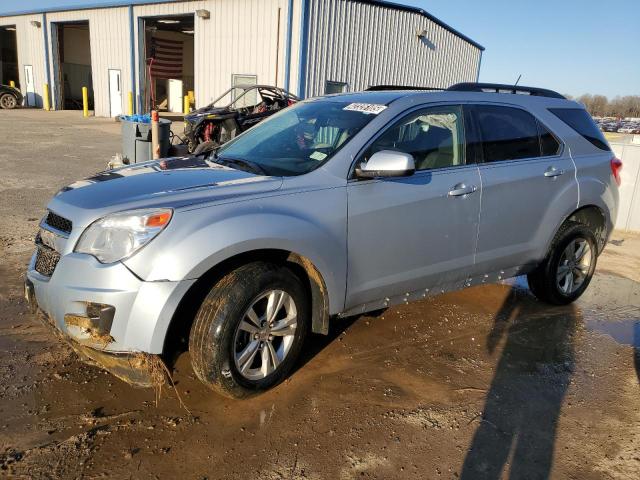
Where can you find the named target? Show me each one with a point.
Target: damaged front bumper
(135, 368)
(107, 314)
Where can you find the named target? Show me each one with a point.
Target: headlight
(119, 235)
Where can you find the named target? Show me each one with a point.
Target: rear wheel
(565, 273)
(8, 101)
(250, 329)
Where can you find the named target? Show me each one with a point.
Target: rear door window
(549, 145)
(507, 133)
(581, 122)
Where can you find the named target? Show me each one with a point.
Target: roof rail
(502, 88)
(381, 88)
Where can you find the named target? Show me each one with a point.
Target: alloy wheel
(265, 334)
(574, 266)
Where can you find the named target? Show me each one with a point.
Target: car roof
(386, 97)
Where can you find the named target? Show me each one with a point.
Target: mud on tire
(214, 336)
(544, 281)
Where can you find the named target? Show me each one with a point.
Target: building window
(239, 82)
(334, 87)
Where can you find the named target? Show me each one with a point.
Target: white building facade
(309, 47)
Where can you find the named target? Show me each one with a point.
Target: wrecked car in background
(336, 206)
(233, 112)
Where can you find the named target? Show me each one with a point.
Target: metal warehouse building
(168, 49)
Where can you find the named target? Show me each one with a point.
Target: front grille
(46, 260)
(59, 223)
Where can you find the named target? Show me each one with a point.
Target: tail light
(616, 166)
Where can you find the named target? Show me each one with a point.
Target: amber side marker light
(158, 220)
(616, 166)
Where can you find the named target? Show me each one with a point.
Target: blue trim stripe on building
(287, 54)
(84, 6)
(45, 33)
(304, 40)
(133, 58)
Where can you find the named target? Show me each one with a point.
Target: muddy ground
(485, 383)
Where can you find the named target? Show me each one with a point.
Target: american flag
(166, 58)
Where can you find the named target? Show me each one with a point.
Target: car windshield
(298, 139)
(243, 95)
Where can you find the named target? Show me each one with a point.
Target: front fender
(201, 238)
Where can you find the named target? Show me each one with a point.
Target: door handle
(553, 172)
(461, 189)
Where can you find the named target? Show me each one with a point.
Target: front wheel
(565, 273)
(250, 329)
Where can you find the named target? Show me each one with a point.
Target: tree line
(601, 106)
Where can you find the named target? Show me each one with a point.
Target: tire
(205, 147)
(549, 283)
(8, 101)
(219, 336)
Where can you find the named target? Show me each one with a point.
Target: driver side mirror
(387, 163)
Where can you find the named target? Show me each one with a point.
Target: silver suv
(334, 207)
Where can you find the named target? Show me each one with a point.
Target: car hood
(172, 182)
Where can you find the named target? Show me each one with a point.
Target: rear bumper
(143, 310)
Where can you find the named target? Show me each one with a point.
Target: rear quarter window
(581, 122)
(507, 133)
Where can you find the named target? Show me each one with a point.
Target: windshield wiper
(245, 165)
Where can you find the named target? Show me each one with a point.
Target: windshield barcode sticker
(318, 156)
(371, 108)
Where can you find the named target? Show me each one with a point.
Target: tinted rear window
(549, 146)
(581, 122)
(507, 133)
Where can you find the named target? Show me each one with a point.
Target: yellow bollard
(192, 98)
(130, 103)
(12, 84)
(85, 102)
(155, 133)
(47, 101)
(185, 108)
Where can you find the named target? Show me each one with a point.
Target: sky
(572, 46)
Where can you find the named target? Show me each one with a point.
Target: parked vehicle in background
(233, 112)
(334, 207)
(610, 127)
(10, 97)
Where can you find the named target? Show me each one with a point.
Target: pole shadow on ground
(636, 349)
(518, 426)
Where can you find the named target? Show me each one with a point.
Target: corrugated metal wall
(240, 37)
(30, 40)
(362, 44)
(109, 41)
